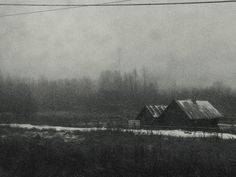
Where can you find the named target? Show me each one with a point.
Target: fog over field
(125, 90)
(189, 45)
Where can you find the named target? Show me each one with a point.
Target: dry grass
(112, 153)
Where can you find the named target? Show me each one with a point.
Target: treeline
(16, 97)
(112, 92)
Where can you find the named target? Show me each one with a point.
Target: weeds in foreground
(116, 154)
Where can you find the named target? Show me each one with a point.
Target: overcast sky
(191, 45)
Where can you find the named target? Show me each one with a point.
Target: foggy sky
(189, 45)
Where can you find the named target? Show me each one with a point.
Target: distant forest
(112, 92)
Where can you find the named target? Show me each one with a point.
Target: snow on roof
(199, 109)
(155, 110)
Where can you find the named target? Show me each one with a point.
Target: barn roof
(155, 110)
(199, 109)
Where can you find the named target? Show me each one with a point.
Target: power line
(106, 4)
(115, 4)
(52, 10)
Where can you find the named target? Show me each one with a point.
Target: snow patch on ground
(174, 133)
(182, 133)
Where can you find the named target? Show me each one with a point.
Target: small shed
(133, 123)
(149, 115)
(190, 113)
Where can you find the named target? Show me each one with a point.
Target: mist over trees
(112, 92)
(16, 96)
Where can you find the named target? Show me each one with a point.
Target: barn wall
(205, 123)
(145, 118)
(174, 116)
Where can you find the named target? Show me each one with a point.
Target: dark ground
(112, 153)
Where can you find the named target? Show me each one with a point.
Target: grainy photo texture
(117, 88)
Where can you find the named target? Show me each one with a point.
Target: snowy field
(174, 133)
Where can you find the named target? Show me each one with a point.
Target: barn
(149, 115)
(190, 113)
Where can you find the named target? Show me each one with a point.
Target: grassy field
(33, 153)
(77, 119)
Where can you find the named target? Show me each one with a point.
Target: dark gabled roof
(198, 109)
(154, 110)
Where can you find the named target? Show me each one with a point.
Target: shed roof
(155, 110)
(199, 109)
